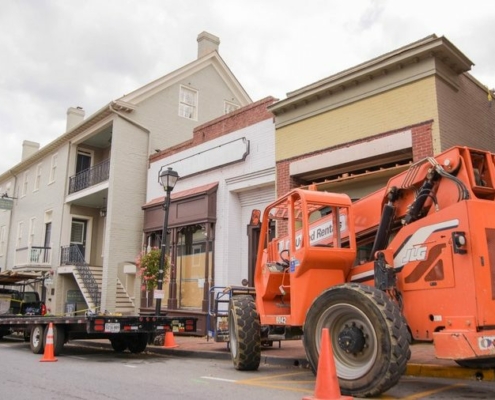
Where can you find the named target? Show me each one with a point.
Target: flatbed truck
(131, 333)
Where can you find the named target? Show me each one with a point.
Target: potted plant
(148, 265)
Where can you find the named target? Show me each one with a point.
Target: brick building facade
(354, 130)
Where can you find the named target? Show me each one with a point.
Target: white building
(226, 171)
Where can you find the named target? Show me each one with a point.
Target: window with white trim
(25, 183)
(32, 228)
(229, 107)
(37, 179)
(20, 228)
(53, 168)
(188, 103)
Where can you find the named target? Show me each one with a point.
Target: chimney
(207, 43)
(28, 149)
(74, 117)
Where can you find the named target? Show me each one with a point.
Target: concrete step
(123, 303)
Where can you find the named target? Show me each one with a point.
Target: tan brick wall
(389, 111)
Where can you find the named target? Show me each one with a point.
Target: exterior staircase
(97, 273)
(123, 303)
(89, 279)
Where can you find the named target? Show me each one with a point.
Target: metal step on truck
(131, 333)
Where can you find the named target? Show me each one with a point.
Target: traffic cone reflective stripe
(169, 341)
(327, 383)
(48, 355)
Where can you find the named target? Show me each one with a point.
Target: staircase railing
(71, 255)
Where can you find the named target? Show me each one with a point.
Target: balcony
(32, 256)
(89, 177)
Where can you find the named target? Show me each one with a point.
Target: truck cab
(21, 302)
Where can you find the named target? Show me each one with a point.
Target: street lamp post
(167, 178)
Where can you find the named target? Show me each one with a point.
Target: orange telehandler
(414, 261)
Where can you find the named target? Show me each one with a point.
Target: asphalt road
(96, 373)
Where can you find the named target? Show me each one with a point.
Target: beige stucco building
(76, 203)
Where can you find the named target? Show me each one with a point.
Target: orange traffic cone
(48, 355)
(169, 341)
(327, 384)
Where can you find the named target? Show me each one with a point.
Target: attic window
(188, 103)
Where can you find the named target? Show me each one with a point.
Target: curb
(442, 371)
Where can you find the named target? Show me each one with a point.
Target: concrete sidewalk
(291, 353)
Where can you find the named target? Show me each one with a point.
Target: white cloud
(59, 53)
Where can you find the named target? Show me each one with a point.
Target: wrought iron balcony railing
(89, 177)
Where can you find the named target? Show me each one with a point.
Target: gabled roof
(128, 102)
(178, 75)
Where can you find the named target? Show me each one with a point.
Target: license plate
(112, 327)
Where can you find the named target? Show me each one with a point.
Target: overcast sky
(57, 54)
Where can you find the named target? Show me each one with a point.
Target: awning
(196, 191)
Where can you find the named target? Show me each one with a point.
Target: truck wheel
(137, 344)
(478, 363)
(36, 339)
(244, 332)
(368, 335)
(119, 344)
(58, 339)
(4, 332)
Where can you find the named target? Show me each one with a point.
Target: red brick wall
(422, 141)
(284, 181)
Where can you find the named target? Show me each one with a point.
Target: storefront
(191, 244)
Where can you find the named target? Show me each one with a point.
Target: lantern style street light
(167, 178)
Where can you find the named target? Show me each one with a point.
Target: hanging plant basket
(148, 265)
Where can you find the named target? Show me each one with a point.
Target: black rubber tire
(58, 339)
(245, 333)
(137, 343)
(380, 357)
(36, 339)
(477, 363)
(119, 344)
(4, 332)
